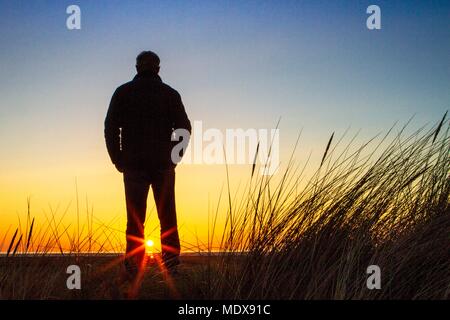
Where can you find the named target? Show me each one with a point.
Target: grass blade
(439, 126)
(12, 242)
(326, 150)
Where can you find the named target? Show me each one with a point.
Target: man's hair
(147, 60)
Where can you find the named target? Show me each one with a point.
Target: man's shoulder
(124, 87)
(169, 89)
(131, 85)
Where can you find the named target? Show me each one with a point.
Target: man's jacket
(141, 118)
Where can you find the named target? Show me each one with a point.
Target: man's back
(141, 118)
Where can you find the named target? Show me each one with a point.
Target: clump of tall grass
(384, 203)
(34, 257)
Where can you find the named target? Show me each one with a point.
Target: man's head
(147, 61)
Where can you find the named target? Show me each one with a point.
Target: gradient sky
(237, 64)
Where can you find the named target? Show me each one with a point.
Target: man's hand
(119, 165)
(119, 168)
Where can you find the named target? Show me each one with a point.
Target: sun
(149, 243)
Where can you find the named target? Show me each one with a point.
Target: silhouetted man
(142, 116)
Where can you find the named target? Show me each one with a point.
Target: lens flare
(149, 243)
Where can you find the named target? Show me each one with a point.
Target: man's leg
(136, 192)
(163, 186)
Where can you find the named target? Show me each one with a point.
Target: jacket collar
(147, 75)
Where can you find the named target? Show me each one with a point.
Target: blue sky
(235, 62)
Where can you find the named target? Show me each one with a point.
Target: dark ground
(44, 277)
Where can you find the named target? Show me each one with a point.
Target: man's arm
(112, 130)
(180, 120)
(179, 117)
